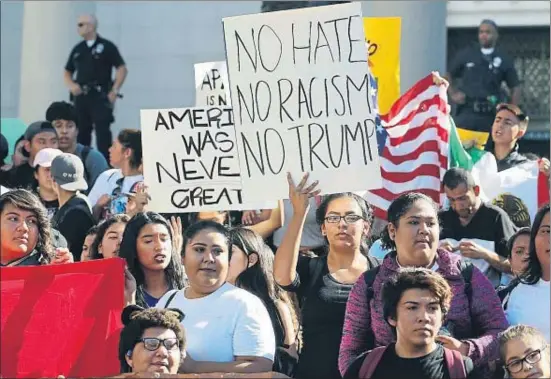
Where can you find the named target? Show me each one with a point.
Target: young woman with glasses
(322, 284)
(524, 353)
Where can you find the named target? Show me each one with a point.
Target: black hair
(414, 278)
(533, 272)
(193, 217)
(137, 320)
(194, 229)
(511, 241)
(367, 214)
(4, 149)
(61, 110)
(259, 278)
(174, 273)
(397, 209)
(457, 176)
(132, 139)
(102, 229)
(28, 201)
(93, 230)
(487, 21)
(24, 151)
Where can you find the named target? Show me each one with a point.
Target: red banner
(61, 319)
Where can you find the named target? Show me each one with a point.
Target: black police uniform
(94, 66)
(481, 77)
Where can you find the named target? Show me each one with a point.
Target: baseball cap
(68, 171)
(45, 157)
(38, 127)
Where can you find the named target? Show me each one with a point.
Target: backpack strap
(85, 152)
(466, 269)
(505, 293)
(371, 360)
(173, 293)
(369, 278)
(455, 364)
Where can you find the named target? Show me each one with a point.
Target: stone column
(49, 34)
(423, 39)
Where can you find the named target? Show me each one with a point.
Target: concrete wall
(160, 41)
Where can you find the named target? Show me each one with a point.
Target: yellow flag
(383, 37)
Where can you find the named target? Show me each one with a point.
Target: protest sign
(302, 99)
(220, 375)
(211, 84)
(61, 319)
(382, 35)
(190, 161)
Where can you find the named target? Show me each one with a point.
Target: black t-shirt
(52, 206)
(482, 75)
(73, 220)
(323, 308)
(21, 177)
(490, 223)
(430, 366)
(94, 65)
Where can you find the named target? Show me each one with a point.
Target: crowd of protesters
(293, 289)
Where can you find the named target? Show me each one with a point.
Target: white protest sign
(301, 95)
(211, 84)
(190, 161)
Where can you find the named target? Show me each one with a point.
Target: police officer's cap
(61, 110)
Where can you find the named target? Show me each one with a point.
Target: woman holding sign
(323, 284)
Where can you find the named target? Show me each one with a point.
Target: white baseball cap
(45, 157)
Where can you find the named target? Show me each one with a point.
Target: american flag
(413, 144)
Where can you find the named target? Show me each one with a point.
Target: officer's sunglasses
(81, 24)
(521, 116)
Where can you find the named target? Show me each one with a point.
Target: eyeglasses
(81, 24)
(530, 358)
(153, 344)
(349, 219)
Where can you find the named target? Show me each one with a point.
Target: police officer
(88, 76)
(481, 70)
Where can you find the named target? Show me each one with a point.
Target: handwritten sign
(211, 84)
(190, 161)
(382, 35)
(301, 95)
(61, 319)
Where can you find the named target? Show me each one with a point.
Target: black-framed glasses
(153, 344)
(349, 218)
(530, 358)
(80, 24)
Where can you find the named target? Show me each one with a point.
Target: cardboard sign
(382, 35)
(61, 319)
(190, 161)
(211, 84)
(302, 99)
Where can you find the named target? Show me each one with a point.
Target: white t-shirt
(529, 305)
(227, 323)
(107, 182)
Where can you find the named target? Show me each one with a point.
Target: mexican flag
(520, 190)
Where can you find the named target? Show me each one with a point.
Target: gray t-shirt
(94, 165)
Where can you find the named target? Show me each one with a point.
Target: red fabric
(61, 319)
(543, 189)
